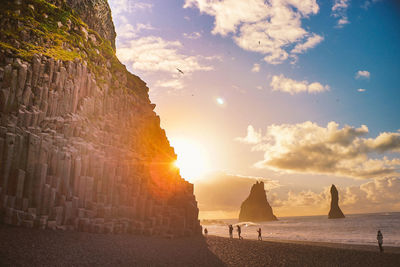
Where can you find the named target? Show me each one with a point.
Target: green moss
(6, 46)
(47, 38)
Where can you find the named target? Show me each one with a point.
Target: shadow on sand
(33, 247)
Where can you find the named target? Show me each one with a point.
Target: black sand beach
(30, 247)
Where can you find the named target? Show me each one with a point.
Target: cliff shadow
(34, 247)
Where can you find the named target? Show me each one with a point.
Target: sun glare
(192, 159)
(220, 101)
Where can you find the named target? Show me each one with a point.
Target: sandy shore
(30, 247)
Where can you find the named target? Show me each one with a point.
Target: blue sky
(274, 66)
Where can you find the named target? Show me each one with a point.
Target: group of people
(239, 231)
(379, 236)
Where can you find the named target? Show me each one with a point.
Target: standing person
(239, 230)
(379, 237)
(205, 231)
(230, 231)
(259, 234)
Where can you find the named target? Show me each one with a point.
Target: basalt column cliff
(80, 145)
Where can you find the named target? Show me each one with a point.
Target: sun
(192, 159)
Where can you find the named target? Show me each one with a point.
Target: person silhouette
(230, 231)
(239, 230)
(379, 237)
(205, 231)
(259, 234)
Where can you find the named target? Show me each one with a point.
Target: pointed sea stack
(335, 212)
(256, 207)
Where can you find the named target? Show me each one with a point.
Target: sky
(300, 94)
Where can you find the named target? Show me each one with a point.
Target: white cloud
(230, 13)
(170, 83)
(363, 74)
(311, 42)
(128, 31)
(309, 148)
(135, 6)
(193, 35)
(256, 67)
(361, 90)
(128, 6)
(283, 84)
(267, 27)
(252, 137)
(259, 87)
(339, 10)
(156, 54)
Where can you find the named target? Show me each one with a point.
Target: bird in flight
(180, 71)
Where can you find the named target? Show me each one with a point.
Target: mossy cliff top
(65, 30)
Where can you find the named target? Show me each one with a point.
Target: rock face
(80, 145)
(256, 207)
(335, 212)
(97, 14)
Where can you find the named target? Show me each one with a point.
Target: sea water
(354, 229)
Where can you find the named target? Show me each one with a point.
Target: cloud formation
(363, 74)
(256, 68)
(153, 53)
(361, 90)
(267, 27)
(128, 31)
(128, 6)
(287, 85)
(252, 137)
(310, 148)
(373, 196)
(192, 36)
(339, 11)
(311, 42)
(220, 195)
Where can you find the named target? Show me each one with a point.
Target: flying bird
(180, 71)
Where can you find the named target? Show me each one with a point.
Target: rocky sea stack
(256, 207)
(80, 145)
(335, 212)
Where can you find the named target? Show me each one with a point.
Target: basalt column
(81, 147)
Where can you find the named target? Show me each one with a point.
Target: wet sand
(31, 247)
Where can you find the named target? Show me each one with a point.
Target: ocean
(354, 229)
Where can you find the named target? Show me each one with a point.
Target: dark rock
(76, 153)
(335, 212)
(256, 207)
(97, 14)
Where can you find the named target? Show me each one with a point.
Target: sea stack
(335, 212)
(256, 207)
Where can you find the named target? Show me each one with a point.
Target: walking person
(230, 231)
(239, 230)
(379, 237)
(259, 234)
